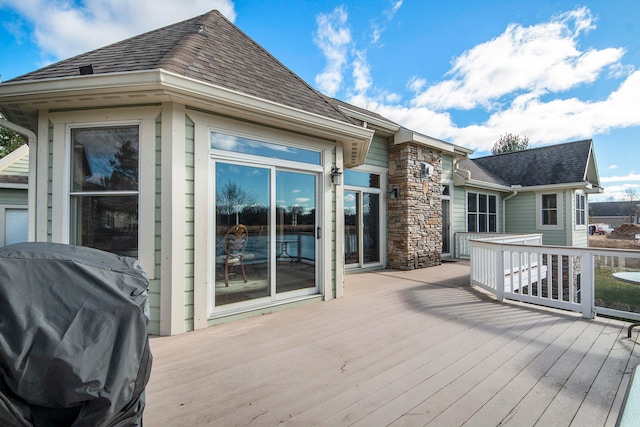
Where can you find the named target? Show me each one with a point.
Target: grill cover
(74, 349)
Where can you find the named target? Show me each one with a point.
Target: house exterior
(614, 213)
(239, 188)
(14, 180)
(541, 190)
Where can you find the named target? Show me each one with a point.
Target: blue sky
(461, 71)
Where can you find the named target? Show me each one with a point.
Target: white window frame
(145, 118)
(583, 196)
(559, 210)
(477, 213)
(382, 172)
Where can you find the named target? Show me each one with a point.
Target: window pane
(493, 204)
(238, 144)
(550, 217)
(472, 223)
(549, 201)
(482, 203)
(361, 179)
(482, 223)
(472, 202)
(105, 159)
(109, 223)
(493, 223)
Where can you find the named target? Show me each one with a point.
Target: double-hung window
(580, 209)
(549, 209)
(105, 187)
(482, 213)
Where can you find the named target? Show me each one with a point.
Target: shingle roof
(207, 48)
(554, 164)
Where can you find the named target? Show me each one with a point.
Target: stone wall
(415, 214)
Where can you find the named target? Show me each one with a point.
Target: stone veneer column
(415, 216)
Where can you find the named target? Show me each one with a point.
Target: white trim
(466, 210)
(204, 194)
(162, 86)
(63, 122)
(172, 246)
(382, 223)
(560, 202)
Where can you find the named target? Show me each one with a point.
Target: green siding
(521, 214)
(12, 196)
(447, 168)
(378, 154)
(154, 284)
(458, 205)
(189, 223)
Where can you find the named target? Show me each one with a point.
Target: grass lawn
(613, 291)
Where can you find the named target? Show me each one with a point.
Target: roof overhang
(404, 135)
(21, 101)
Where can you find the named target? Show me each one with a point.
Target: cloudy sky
(466, 72)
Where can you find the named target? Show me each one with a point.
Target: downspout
(32, 141)
(514, 193)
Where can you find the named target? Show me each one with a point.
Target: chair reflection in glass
(235, 243)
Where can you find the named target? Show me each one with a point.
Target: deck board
(400, 348)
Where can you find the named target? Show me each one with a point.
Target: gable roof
(207, 48)
(568, 163)
(14, 168)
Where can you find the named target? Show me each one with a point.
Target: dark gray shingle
(208, 48)
(553, 164)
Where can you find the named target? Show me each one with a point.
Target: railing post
(500, 273)
(587, 286)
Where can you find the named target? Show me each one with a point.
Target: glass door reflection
(242, 233)
(295, 225)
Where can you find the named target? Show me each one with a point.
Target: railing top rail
(509, 238)
(559, 250)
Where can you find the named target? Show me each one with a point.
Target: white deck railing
(519, 267)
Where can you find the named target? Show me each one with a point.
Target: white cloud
(541, 58)
(64, 28)
(518, 79)
(333, 37)
(613, 167)
(361, 73)
(627, 178)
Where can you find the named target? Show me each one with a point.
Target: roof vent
(86, 69)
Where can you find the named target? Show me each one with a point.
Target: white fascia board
(381, 124)
(461, 181)
(406, 135)
(587, 186)
(161, 85)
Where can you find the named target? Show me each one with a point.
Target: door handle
(318, 233)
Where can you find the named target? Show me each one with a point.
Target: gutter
(32, 141)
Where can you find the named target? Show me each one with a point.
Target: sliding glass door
(266, 233)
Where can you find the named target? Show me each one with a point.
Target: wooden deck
(400, 348)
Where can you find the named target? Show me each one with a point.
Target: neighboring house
(240, 189)
(540, 190)
(14, 177)
(614, 213)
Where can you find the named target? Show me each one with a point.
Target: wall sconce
(426, 170)
(336, 176)
(393, 194)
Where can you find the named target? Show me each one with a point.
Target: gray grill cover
(74, 349)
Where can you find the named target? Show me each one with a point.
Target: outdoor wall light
(393, 194)
(426, 170)
(336, 176)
